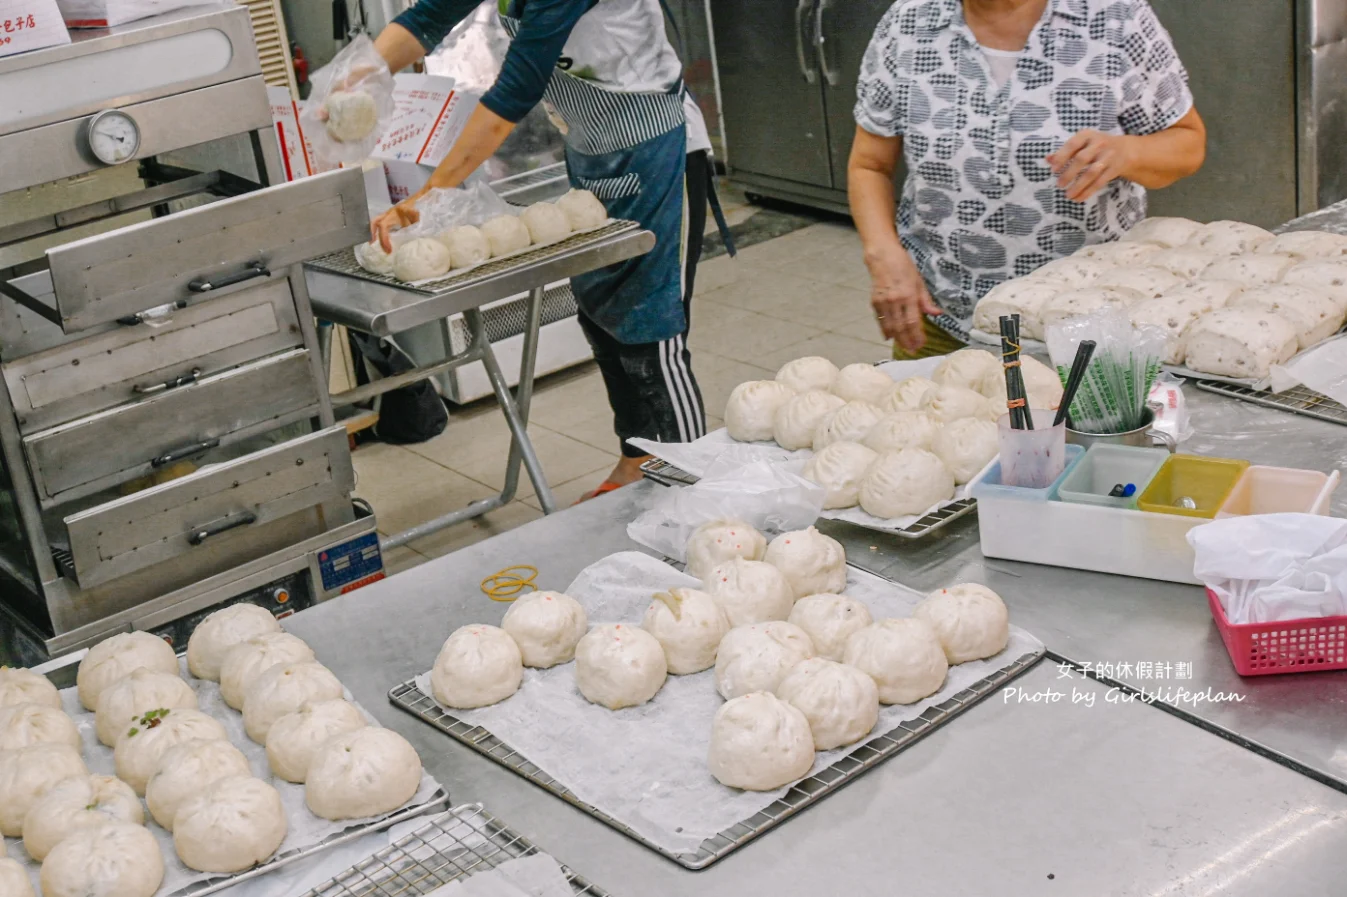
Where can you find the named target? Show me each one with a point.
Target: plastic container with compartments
(988, 484)
(1207, 481)
(1287, 646)
(1105, 466)
(1277, 490)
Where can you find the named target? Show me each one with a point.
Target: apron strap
(714, 199)
(673, 23)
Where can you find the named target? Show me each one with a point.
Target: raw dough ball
(1315, 316)
(1329, 277)
(296, 737)
(619, 666)
(244, 663)
(546, 223)
(133, 696)
(119, 859)
(142, 746)
(26, 774)
(795, 422)
(947, 403)
(351, 115)
(478, 666)
(1215, 293)
(904, 657)
(717, 541)
(372, 258)
(903, 483)
(966, 446)
(1021, 296)
(1239, 342)
(185, 769)
(19, 686)
(902, 429)
(862, 383)
(467, 246)
(965, 367)
(284, 689)
(362, 773)
(1186, 263)
(14, 880)
(1075, 303)
(969, 619)
(1308, 244)
(115, 657)
(750, 591)
(1118, 253)
(839, 468)
(757, 657)
(909, 394)
(420, 259)
(546, 627)
(829, 620)
(1229, 237)
(233, 824)
(850, 423)
(840, 702)
(811, 562)
(22, 725)
(506, 234)
(1251, 269)
(582, 209)
(689, 625)
(751, 409)
(808, 374)
(222, 630)
(1150, 281)
(76, 803)
(1163, 231)
(1073, 273)
(1041, 383)
(1174, 315)
(760, 743)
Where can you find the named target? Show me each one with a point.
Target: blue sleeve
(430, 20)
(543, 29)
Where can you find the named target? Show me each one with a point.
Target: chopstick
(1084, 352)
(1016, 401)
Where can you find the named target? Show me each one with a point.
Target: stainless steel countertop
(1106, 799)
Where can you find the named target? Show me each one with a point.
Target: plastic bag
(474, 203)
(771, 496)
(1170, 407)
(357, 69)
(1114, 394)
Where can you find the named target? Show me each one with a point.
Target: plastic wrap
(1170, 407)
(1114, 394)
(358, 68)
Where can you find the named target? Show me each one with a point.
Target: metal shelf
(1298, 400)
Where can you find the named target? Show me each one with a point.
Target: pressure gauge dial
(114, 137)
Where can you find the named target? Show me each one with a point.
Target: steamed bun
(750, 411)
(718, 541)
(903, 483)
(807, 374)
(420, 259)
(582, 210)
(811, 562)
(795, 422)
(839, 468)
(966, 446)
(750, 591)
(862, 383)
(506, 234)
(546, 223)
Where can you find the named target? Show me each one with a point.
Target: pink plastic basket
(1290, 646)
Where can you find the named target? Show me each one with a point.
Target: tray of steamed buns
(679, 706)
(889, 446)
(1233, 298)
(420, 258)
(160, 775)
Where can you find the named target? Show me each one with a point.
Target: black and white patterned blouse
(981, 205)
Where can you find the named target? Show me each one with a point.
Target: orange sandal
(604, 488)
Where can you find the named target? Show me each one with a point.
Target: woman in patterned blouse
(1029, 128)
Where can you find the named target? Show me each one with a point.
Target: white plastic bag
(358, 68)
(474, 203)
(771, 496)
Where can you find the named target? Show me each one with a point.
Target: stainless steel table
(1014, 798)
(344, 294)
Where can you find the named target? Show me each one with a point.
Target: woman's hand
(898, 296)
(403, 214)
(1089, 161)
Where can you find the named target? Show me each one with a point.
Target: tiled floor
(802, 294)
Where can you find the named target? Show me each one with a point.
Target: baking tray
(805, 792)
(343, 262)
(1298, 400)
(666, 474)
(459, 843)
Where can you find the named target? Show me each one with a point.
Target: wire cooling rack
(666, 474)
(1298, 400)
(805, 792)
(462, 842)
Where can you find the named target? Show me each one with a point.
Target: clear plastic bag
(357, 69)
(474, 203)
(1114, 394)
(772, 496)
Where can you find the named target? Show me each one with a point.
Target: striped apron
(629, 150)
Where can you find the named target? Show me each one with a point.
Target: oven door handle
(801, 10)
(829, 73)
(254, 269)
(215, 528)
(146, 389)
(184, 453)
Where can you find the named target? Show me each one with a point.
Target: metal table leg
(523, 399)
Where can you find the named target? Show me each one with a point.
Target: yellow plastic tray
(1207, 481)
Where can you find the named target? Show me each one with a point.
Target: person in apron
(613, 83)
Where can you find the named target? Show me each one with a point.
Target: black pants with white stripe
(651, 387)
